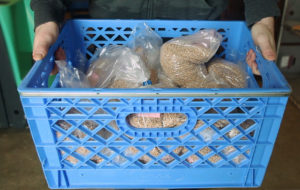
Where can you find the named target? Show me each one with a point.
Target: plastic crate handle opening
(137, 123)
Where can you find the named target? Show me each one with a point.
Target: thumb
(40, 50)
(45, 35)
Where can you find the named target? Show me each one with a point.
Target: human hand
(263, 37)
(45, 35)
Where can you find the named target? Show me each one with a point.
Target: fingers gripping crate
(83, 138)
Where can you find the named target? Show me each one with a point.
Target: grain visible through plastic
(165, 120)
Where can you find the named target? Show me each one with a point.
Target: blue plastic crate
(46, 108)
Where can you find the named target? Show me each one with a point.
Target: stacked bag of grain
(186, 61)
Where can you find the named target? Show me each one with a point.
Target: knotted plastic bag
(146, 43)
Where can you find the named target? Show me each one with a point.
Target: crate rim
(156, 93)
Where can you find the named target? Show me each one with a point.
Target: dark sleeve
(48, 10)
(255, 10)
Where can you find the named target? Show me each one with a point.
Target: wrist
(53, 26)
(48, 30)
(267, 22)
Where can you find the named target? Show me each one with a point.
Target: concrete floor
(20, 168)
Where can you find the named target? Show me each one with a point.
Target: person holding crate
(259, 15)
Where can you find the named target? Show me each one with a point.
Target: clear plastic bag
(197, 48)
(183, 58)
(162, 81)
(204, 151)
(228, 72)
(71, 77)
(146, 43)
(222, 74)
(82, 151)
(207, 82)
(101, 71)
(81, 61)
(182, 72)
(118, 67)
(156, 152)
(156, 120)
(207, 134)
(239, 158)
